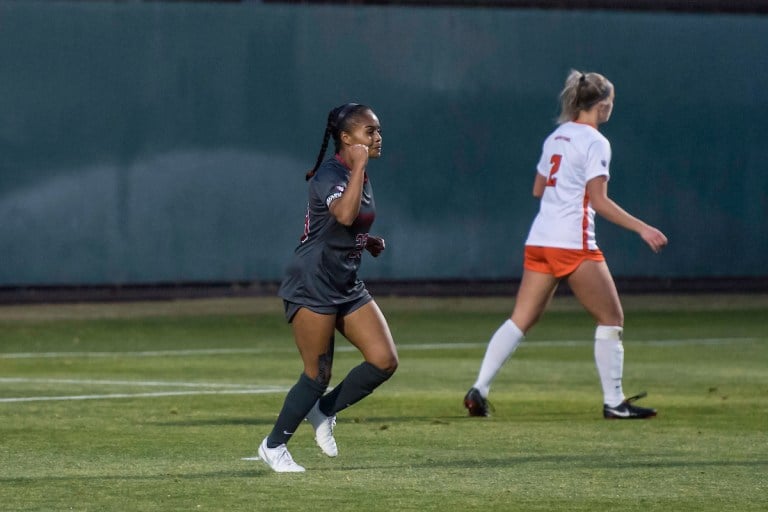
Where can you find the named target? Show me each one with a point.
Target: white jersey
(571, 156)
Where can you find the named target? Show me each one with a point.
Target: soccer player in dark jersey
(322, 293)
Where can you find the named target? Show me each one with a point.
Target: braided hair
(338, 121)
(582, 91)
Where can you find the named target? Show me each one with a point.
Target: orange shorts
(557, 262)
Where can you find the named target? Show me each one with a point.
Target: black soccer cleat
(626, 411)
(476, 404)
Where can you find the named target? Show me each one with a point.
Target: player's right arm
(539, 184)
(346, 208)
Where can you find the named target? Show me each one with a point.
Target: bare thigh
(593, 286)
(367, 329)
(533, 297)
(313, 334)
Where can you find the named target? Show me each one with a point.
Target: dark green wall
(168, 142)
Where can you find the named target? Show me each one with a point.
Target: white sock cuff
(515, 330)
(608, 332)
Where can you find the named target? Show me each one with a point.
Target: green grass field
(152, 406)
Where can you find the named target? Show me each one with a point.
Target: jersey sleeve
(328, 186)
(598, 159)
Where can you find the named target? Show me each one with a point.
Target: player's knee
(608, 315)
(525, 322)
(392, 365)
(615, 318)
(387, 364)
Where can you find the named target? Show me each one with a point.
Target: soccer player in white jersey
(572, 183)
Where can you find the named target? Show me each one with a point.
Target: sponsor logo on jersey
(331, 198)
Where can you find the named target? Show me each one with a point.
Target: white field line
(203, 388)
(142, 383)
(143, 353)
(253, 391)
(230, 388)
(401, 347)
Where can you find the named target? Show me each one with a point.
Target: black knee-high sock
(298, 402)
(359, 383)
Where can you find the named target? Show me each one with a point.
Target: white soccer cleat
(323, 426)
(279, 459)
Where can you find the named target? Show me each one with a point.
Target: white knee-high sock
(503, 343)
(609, 358)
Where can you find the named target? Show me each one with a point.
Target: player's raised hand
(358, 156)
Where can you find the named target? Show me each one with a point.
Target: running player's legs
(593, 286)
(533, 297)
(313, 333)
(367, 329)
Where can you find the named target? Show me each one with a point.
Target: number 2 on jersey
(555, 161)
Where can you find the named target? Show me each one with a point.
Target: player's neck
(588, 122)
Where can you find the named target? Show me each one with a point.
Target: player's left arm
(597, 188)
(375, 245)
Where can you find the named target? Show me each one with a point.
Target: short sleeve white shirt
(571, 156)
